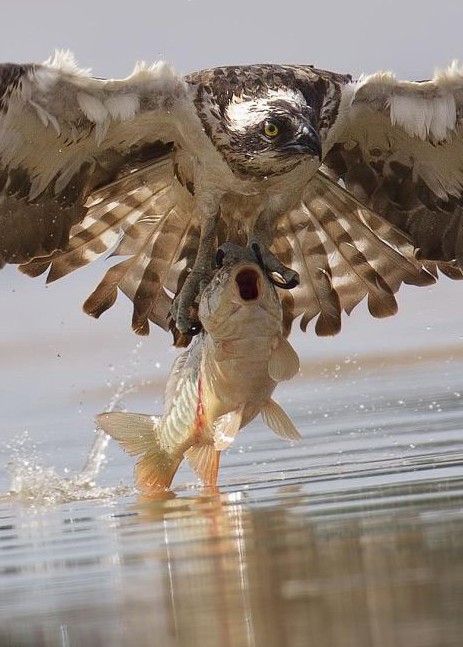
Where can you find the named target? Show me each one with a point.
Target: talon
(184, 328)
(181, 312)
(286, 284)
(271, 265)
(184, 308)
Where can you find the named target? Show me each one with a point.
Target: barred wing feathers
(341, 249)
(80, 175)
(398, 147)
(147, 216)
(63, 134)
(344, 253)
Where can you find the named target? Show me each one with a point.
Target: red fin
(204, 459)
(155, 471)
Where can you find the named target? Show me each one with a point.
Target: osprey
(344, 189)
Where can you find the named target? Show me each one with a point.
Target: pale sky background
(409, 36)
(42, 330)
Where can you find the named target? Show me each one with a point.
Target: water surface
(353, 537)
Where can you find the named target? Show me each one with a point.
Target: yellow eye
(271, 129)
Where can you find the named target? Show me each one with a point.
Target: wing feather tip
(33, 268)
(141, 328)
(65, 61)
(96, 304)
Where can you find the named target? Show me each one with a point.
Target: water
(353, 537)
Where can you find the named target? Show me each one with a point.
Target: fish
(223, 380)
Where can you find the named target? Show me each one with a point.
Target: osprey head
(266, 135)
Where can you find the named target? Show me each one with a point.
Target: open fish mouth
(248, 283)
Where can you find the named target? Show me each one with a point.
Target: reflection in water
(361, 547)
(217, 570)
(270, 577)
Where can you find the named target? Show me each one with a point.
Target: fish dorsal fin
(284, 362)
(134, 431)
(204, 459)
(279, 421)
(226, 427)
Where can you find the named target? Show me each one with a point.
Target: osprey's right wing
(87, 165)
(64, 134)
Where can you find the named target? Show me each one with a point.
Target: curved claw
(183, 310)
(285, 285)
(290, 277)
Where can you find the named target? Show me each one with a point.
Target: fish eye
(271, 129)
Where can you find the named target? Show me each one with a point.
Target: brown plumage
(161, 170)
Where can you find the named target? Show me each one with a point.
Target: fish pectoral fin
(204, 459)
(134, 431)
(279, 421)
(284, 362)
(138, 435)
(226, 427)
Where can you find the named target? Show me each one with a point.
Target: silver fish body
(219, 384)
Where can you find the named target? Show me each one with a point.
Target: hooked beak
(306, 140)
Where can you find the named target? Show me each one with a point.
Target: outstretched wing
(147, 217)
(64, 134)
(343, 252)
(398, 147)
(89, 165)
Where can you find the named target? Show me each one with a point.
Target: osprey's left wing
(86, 164)
(398, 147)
(344, 252)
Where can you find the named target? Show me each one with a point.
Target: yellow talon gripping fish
(219, 384)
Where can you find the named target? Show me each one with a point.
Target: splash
(35, 483)
(96, 455)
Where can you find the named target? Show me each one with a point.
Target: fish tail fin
(204, 459)
(138, 435)
(155, 471)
